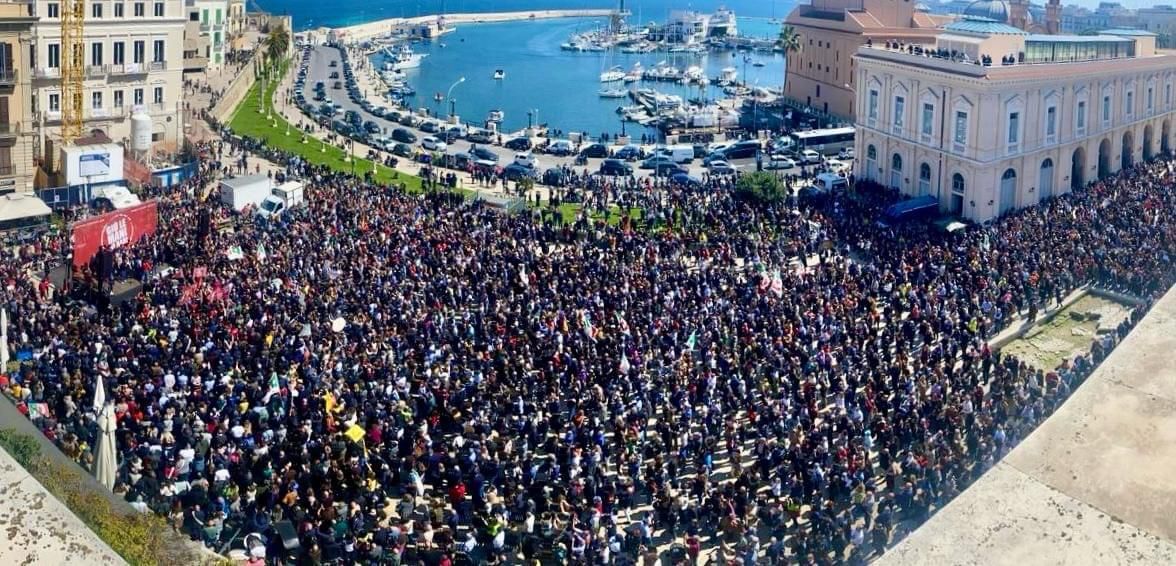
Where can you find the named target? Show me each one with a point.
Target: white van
(830, 182)
(678, 153)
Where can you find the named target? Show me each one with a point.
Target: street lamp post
(452, 103)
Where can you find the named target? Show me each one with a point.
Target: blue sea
(558, 88)
(316, 13)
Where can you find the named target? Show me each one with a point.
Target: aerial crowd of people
(417, 378)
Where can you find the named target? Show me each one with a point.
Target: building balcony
(128, 69)
(157, 66)
(9, 130)
(97, 71)
(7, 77)
(48, 73)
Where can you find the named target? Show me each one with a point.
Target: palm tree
(788, 42)
(277, 43)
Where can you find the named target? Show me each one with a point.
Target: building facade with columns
(996, 119)
(133, 52)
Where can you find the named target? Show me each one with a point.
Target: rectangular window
(1150, 99)
(928, 118)
(53, 10)
(1082, 116)
(54, 55)
(218, 16)
(1168, 94)
(1130, 105)
(96, 54)
(55, 103)
(1051, 124)
(118, 10)
(899, 111)
(140, 48)
(1014, 126)
(159, 9)
(1106, 110)
(138, 97)
(140, 10)
(157, 96)
(96, 11)
(118, 99)
(158, 51)
(120, 53)
(96, 100)
(961, 131)
(873, 106)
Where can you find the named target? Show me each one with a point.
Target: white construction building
(133, 53)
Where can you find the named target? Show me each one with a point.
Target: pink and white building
(991, 118)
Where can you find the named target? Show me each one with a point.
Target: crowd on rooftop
(419, 378)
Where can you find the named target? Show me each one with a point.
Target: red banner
(112, 230)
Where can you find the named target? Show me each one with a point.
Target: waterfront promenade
(360, 32)
(1090, 486)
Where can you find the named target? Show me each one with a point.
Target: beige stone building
(821, 75)
(134, 56)
(17, 128)
(1048, 114)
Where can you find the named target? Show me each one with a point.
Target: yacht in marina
(612, 75)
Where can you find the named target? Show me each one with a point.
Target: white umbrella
(106, 462)
(3, 340)
(99, 395)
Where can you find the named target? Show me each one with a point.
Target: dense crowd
(420, 378)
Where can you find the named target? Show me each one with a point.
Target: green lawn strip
(250, 119)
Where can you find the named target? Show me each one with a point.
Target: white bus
(827, 141)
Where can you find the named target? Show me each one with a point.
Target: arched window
(896, 162)
(871, 162)
(956, 204)
(1046, 179)
(924, 179)
(896, 173)
(1008, 174)
(871, 153)
(957, 183)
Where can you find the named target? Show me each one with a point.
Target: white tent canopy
(16, 206)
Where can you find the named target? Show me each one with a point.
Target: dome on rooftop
(992, 9)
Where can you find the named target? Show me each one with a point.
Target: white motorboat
(499, 74)
(634, 74)
(402, 59)
(495, 116)
(613, 93)
(612, 75)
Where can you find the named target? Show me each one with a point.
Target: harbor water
(560, 88)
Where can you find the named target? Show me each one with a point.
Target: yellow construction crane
(73, 69)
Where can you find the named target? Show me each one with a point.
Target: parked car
(517, 171)
(371, 127)
(403, 136)
(560, 147)
(669, 170)
(721, 168)
(431, 143)
(334, 64)
(401, 149)
(810, 156)
(334, 75)
(779, 162)
(837, 166)
(685, 180)
(409, 120)
(629, 153)
(483, 154)
(481, 136)
(615, 168)
(595, 150)
(337, 85)
(526, 159)
(743, 150)
(517, 144)
(429, 127)
(845, 153)
(657, 160)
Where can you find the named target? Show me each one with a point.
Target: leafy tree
(760, 186)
